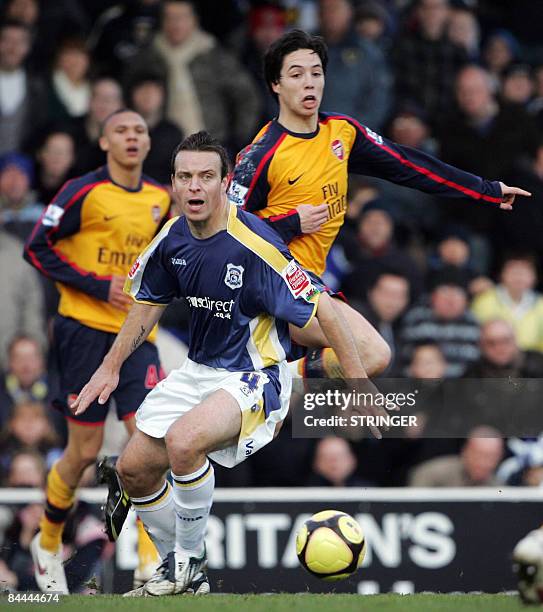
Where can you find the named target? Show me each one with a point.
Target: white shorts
(263, 400)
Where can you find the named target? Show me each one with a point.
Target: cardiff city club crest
(234, 276)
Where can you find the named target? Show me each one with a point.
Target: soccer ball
(331, 545)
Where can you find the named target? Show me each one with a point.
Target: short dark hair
(288, 43)
(119, 111)
(202, 141)
(513, 255)
(191, 3)
(14, 23)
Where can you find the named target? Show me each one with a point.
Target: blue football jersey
(242, 285)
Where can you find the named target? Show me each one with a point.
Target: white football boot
(176, 576)
(48, 568)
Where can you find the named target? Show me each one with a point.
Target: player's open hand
(312, 217)
(102, 384)
(508, 195)
(116, 296)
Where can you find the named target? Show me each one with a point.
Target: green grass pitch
(279, 603)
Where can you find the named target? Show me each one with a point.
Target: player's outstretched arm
(138, 324)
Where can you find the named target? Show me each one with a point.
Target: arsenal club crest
(338, 150)
(234, 276)
(155, 213)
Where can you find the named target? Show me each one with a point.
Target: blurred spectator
(501, 356)
(358, 81)
(48, 22)
(334, 465)
(426, 61)
(22, 95)
(121, 32)
(443, 318)
(474, 467)
(501, 49)
(371, 22)
(25, 377)
(525, 467)
(21, 299)
(376, 249)
(522, 231)
(498, 136)
(28, 428)
(427, 362)
(147, 96)
(207, 88)
(388, 298)
(419, 212)
(69, 89)
(55, 157)
(517, 85)
(535, 108)
(19, 210)
(26, 469)
(267, 23)
(339, 261)
(454, 248)
(429, 366)
(515, 300)
(25, 11)
(464, 31)
(106, 98)
(409, 126)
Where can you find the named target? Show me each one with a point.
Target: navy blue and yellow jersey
(242, 286)
(94, 229)
(280, 170)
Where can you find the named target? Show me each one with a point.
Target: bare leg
(372, 348)
(142, 464)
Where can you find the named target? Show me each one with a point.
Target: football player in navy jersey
(231, 395)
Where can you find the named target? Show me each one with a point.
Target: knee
(183, 449)
(83, 454)
(383, 355)
(376, 354)
(138, 479)
(131, 475)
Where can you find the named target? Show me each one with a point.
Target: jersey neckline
(130, 190)
(201, 241)
(304, 135)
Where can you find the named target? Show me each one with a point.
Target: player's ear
(104, 143)
(275, 87)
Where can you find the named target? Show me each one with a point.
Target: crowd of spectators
(452, 286)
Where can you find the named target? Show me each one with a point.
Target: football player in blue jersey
(231, 395)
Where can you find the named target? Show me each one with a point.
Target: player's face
(197, 186)
(126, 139)
(301, 83)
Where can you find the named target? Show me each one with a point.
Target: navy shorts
(79, 351)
